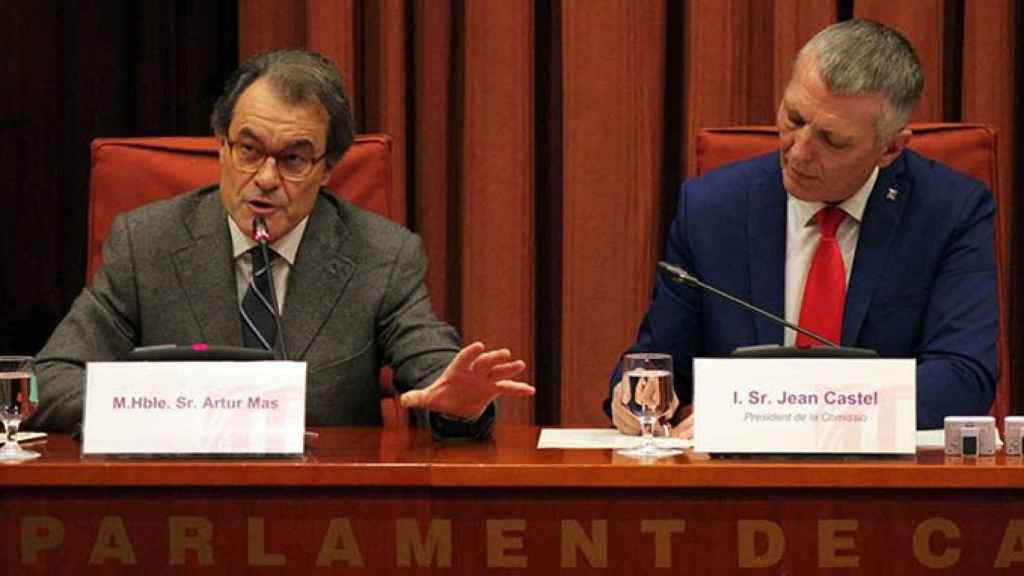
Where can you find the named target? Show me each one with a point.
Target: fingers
(507, 370)
(622, 418)
(684, 429)
(486, 361)
(494, 365)
(622, 390)
(465, 358)
(513, 388)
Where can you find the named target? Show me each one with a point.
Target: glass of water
(647, 392)
(18, 400)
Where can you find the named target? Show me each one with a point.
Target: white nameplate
(180, 408)
(804, 406)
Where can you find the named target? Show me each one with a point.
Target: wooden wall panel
(613, 123)
(433, 147)
(496, 183)
(265, 26)
(330, 28)
(991, 56)
(796, 22)
(923, 22)
(384, 87)
(729, 62)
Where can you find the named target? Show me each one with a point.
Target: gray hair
(859, 57)
(297, 76)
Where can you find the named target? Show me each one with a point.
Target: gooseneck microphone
(262, 236)
(684, 277)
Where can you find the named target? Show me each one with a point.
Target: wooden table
(369, 501)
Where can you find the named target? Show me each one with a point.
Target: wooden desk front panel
(360, 507)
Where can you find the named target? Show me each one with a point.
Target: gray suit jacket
(356, 300)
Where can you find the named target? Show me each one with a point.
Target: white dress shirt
(802, 236)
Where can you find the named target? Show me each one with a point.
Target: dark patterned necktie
(258, 327)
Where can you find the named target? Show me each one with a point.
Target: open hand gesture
(473, 380)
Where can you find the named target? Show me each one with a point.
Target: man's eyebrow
(300, 142)
(246, 132)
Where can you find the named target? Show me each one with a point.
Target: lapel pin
(891, 195)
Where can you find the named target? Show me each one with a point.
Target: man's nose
(800, 144)
(267, 177)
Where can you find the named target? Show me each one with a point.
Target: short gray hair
(297, 76)
(859, 57)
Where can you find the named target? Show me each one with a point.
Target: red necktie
(825, 290)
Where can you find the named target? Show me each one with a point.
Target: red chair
(129, 172)
(969, 148)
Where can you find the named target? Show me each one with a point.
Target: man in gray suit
(349, 283)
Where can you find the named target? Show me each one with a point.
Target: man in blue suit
(915, 237)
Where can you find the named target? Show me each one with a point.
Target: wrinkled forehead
(262, 112)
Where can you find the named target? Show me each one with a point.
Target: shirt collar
(286, 246)
(853, 206)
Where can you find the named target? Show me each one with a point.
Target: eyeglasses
(291, 166)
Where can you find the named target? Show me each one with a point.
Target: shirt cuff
(444, 427)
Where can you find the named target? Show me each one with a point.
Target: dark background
(77, 71)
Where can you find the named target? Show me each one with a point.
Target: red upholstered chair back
(969, 148)
(129, 172)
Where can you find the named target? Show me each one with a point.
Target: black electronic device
(196, 353)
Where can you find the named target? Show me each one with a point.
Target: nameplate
(804, 406)
(194, 408)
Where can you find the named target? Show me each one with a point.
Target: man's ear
(895, 146)
(221, 148)
(328, 166)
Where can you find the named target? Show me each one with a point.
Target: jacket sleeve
(416, 344)
(101, 325)
(956, 364)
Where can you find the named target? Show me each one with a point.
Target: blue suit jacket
(923, 283)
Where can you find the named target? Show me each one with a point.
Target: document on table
(568, 438)
(599, 438)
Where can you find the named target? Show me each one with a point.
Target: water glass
(647, 392)
(19, 398)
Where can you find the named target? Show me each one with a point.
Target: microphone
(262, 236)
(684, 277)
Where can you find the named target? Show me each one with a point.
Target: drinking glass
(18, 400)
(647, 392)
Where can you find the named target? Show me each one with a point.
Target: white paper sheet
(571, 438)
(604, 438)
